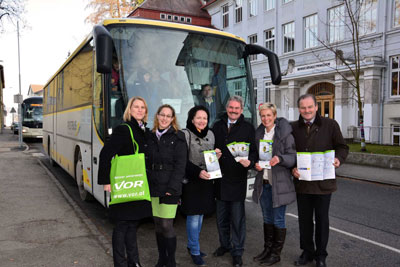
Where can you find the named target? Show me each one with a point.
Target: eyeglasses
(165, 116)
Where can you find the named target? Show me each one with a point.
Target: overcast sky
(56, 28)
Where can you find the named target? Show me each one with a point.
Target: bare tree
(110, 9)
(11, 11)
(354, 20)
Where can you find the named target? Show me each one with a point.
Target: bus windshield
(180, 68)
(32, 113)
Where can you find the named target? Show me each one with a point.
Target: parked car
(14, 127)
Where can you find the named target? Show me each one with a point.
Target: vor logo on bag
(128, 185)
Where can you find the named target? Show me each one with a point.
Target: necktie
(308, 123)
(230, 126)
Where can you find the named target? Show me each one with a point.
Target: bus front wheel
(85, 195)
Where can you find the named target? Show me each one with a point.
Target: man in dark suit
(313, 133)
(231, 188)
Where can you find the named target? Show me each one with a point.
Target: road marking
(356, 236)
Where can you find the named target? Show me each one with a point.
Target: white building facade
(295, 31)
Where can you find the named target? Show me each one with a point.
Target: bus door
(98, 135)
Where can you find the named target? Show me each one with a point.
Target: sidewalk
(38, 227)
(369, 173)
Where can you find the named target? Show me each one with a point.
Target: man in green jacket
(313, 133)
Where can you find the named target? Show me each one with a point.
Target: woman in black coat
(198, 193)
(126, 215)
(166, 162)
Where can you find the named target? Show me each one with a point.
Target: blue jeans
(275, 216)
(193, 229)
(231, 223)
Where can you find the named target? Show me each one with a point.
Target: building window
(253, 40)
(267, 92)
(270, 39)
(269, 4)
(253, 8)
(396, 13)
(395, 69)
(225, 16)
(237, 88)
(176, 18)
(286, 1)
(396, 135)
(238, 11)
(288, 37)
(368, 16)
(311, 31)
(182, 19)
(336, 24)
(169, 17)
(163, 16)
(189, 20)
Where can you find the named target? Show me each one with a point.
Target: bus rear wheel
(85, 195)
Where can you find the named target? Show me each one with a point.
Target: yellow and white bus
(163, 62)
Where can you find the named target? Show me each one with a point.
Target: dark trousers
(124, 241)
(231, 219)
(307, 205)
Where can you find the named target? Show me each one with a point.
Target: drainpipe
(382, 95)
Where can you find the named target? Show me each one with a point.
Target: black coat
(324, 135)
(233, 184)
(165, 163)
(120, 143)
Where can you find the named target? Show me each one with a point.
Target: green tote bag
(128, 177)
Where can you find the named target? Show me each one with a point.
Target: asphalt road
(364, 219)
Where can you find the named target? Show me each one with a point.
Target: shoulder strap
(190, 139)
(134, 143)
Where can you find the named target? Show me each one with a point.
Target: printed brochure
(316, 166)
(239, 150)
(212, 164)
(265, 153)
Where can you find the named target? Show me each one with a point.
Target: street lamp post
(19, 102)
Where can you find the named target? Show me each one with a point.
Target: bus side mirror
(104, 46)
(273, 61)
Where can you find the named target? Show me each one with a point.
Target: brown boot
(268, 239)
(279, 240)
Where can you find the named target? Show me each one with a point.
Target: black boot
(279, 240)
(171, 248)
(268, 239)
(162, 250)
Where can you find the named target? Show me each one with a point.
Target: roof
(187, 7)
(209, 3)
(36, 87)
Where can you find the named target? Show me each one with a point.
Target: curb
(368, 180)
(101, 239)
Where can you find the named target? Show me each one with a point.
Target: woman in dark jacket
(274, 187)
(126, 215)
(166, 162)
(198, 193)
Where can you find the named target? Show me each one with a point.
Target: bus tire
(85, 195)
(51, 161)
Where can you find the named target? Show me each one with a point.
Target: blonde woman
(125, 215)
(274, 188)
(166, 162)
